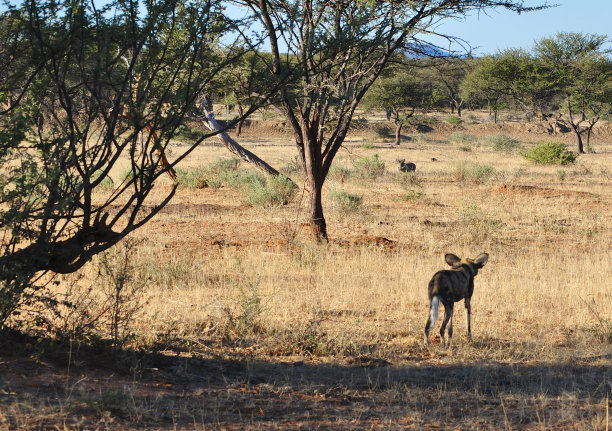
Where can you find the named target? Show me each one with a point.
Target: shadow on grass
(38, 389)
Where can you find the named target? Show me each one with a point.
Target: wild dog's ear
(451, 259)
(481, 259)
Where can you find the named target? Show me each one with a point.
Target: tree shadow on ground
(43, 385)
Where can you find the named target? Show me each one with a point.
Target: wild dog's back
(451, 284)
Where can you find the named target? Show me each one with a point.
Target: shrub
(274, 191)
(477, 174)
(561, 174)
(550, 153)
(462, 137)
(382, 132)
(476, 225)
(501, 142)
(408, 179)
(106, 183)
(339, 173)
(412, 195)
(222, 165)
(126, 175)
(192, 177)
(344, 202)
(236, 179)
(451, 119)
(122, 289)
(369, 167)
(186, 133)
(293, 167)
(221, 172)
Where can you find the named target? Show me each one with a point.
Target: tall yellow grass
(544, 294)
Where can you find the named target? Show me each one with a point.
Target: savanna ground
(234, 319)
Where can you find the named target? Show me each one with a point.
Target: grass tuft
(474, 173)
(345, 203)
(369, 168)
(500, 142)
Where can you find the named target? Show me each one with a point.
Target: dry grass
(276, 332)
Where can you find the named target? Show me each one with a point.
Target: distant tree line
(566, 79)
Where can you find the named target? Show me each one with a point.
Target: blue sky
(502, 29)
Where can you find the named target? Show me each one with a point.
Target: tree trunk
(398, 133)
(314, 173)
(241, 122)
(574, 125)
(579, 138)
(317, 219)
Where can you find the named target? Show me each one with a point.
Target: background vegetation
(149, 280)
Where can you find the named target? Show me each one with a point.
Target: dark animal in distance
(449, 286)
(405, 167)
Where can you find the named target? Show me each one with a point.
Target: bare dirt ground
(340, 343)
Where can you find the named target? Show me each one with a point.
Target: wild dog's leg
(448, 315)
(450, 329)
(433, 317)
(468, 310)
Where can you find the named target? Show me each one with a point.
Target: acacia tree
(337, 50)
(402, 94)
(581, 74)
(449, 74)
(95, 86)
(487, 81)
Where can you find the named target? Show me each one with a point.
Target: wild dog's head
(473, 264)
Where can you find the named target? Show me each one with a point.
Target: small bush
(550, 153)
(126, 175)
(477, 174)
(501, 142)
(247, 317)
(221, 172)
(369, 168)
(221, 165)
(122, 289)
(462, 138)
(196, 178)
(412, 195)
(236, 179)
(272, 192)
(382, 132)
(339, 173)
(293, 167)
(106, 183)
(417, 137)
(408, 179)
(186, 133)
(451, 119)
(344, 202)
(561, 174)
(475, 224)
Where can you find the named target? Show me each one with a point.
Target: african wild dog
(450, 286)
(402, 166)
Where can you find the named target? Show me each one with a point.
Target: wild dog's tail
(433, 316)
(433, 310)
